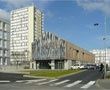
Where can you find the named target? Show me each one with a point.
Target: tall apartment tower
(26, 27)
(4, 42)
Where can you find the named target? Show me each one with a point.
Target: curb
(37, 77)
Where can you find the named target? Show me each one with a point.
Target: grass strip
(52, 73)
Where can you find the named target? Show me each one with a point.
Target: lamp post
(105, 29)
(104, 39)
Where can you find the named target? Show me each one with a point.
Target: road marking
(47, 82)
(32, 81)
(88, 84)
(4, 81)
(19, 81)
(73, 84)
(58, 83)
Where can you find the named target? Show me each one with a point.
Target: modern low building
(101, 55)
(52, 52)
(4, 42)
(26, 27)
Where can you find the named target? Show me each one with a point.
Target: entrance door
(44, 64)
(60, 65)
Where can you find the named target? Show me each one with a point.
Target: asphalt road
(13, 77)
(83, 81)
(86, 76)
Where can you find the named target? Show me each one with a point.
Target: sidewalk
(103, 84)
(13, 69)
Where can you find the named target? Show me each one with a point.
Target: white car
(76, 66)
(82, 66)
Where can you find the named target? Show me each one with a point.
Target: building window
(5, 53)
(1, 61)
(5, 61)
(1, 33)
(0, 43)
(0, 52)
(5, 35)
(1, 25)
(5, 44)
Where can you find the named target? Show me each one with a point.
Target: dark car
(90, 66)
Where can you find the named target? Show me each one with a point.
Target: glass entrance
(59, 64)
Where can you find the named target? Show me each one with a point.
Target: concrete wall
(67, 64)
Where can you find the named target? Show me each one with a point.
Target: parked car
(76, 66)
(90, 66)
(82, 66)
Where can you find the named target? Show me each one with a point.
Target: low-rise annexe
(52, 52)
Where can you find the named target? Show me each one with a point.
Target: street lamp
(104, 39)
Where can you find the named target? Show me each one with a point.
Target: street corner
(103, 84)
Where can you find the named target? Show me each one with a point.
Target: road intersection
(84, 80)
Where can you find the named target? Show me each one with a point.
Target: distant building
(52, 52)
(4, 42)
(26, 27)
(101, 55)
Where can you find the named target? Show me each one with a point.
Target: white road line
(58, 83)
(19, 81)
(4, 81)
(73, 84)
(47, 82)
(88, 84)
(32, 81)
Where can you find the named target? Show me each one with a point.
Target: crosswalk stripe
(19, 81)
(32, 81)
(47, 82)
(73, 84)
(61, 82)
(88, 84)
(4, 81)
(42, 82)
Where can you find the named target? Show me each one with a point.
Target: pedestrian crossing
(4, 81)
(73, 84)
(35, 81)
(59, 83)
(42, 83)
(88, 84)
(56, 82)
